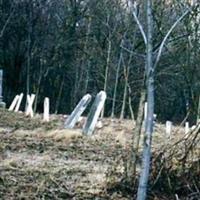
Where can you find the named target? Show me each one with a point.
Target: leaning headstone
(29, 106)
(94, 113)
(46, 110)
(19, 102)
(187, 127)
(14, 102)
(168, 129)
(2, 104)
(77, 112)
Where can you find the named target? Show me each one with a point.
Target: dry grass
(44, 161)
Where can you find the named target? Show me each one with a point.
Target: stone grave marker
(187, 127)
(77, 112)
(19, 102)
(46, 110)
(29, 107)
(14, 102)
(168, 129)
(94, 113)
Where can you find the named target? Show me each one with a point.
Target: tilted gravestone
(94, 113)
(14, 103)
(2, 104)
(77, 112)
(29, 106)
(19, 102)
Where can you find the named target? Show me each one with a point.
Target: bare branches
(167, 35)
(140, 26)
(7, 22)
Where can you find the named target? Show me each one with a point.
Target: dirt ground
(44, 161)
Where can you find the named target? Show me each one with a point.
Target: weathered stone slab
(187, 127)
(94, 113)
(29, 106)
(168, 129)
(19, 102)
(14, 102)
(77, 112)
(46, 110)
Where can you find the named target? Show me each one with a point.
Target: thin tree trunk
(29, 51)
(84, 70)
(116, 85)
(59, 95)
(130, 103)
(132, 160)
(106, 71)
(87, 77)
(143, 181)
(75, 91)
(126, 74)
(125, 95)
(198, 111)
(38, 89)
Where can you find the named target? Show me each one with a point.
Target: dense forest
(64, 49)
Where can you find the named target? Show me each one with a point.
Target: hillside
(43, 161)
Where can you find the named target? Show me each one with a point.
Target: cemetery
(78, 156)
(99, 100)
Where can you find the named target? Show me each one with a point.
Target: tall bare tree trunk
(106, 71)
(132, 160)
(198, 111)
(126, 75)
(143, 181)
(29, 49)
(116, 85)
(59, 95)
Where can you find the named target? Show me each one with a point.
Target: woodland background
(64, 49)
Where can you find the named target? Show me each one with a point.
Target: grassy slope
(42, 161)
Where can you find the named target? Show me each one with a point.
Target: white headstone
(77, 112)
(94, 113)
(46, 110)
(168, 129)
(14, 102)
(29, 106)
(19, 102)
(187, 127)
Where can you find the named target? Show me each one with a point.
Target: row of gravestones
(15, 105)
(169, 124)
(93, 116)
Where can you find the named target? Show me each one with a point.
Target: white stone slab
(77, 112)
(94, 113)
(46, 109)
(19, 102)
(29, 106)
(14, 103)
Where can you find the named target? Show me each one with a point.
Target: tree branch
(6, 23)
(140, 27)
(167, 35)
